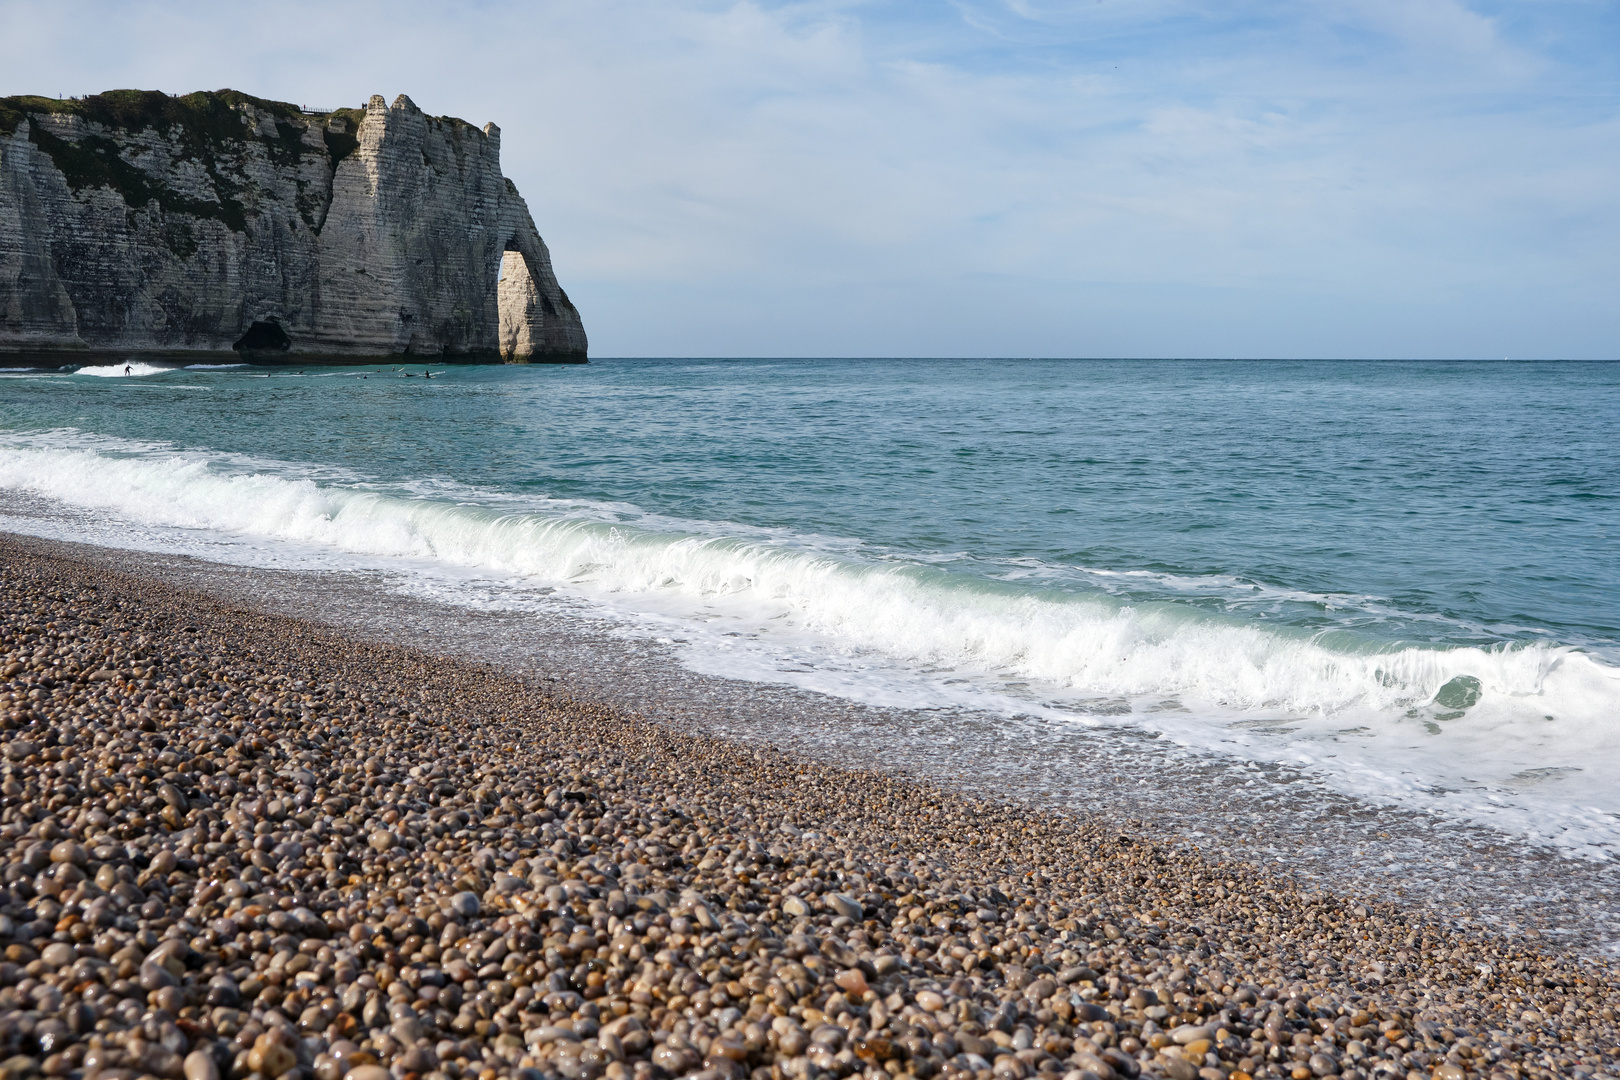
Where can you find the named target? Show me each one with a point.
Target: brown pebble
(69, 852)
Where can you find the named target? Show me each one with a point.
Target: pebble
(845, 906)
(58, 954)
(200, 1065)
(235, 847)
(271, 1056)
(851, 981)
(69, 852)
(368, 1072)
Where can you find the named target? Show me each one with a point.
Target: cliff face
(137, 222)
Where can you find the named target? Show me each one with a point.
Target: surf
(130, 370)
(921, 615)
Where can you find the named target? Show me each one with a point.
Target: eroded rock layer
(139, 222)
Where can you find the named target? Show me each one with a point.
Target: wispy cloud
(1354, 177)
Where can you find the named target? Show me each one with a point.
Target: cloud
(1023, 177)
(1431, 27)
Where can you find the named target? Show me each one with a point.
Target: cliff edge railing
(137, 222)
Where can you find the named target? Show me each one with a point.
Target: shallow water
(1398, 579)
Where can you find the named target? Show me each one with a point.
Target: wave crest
(920, 615)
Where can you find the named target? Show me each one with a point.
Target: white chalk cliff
(137, 222)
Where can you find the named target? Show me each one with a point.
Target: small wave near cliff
(119, 371)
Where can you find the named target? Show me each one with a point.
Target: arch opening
(521, 309)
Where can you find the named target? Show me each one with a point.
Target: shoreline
(1278, 815)
(326, 822)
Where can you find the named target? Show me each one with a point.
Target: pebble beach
(237, 846)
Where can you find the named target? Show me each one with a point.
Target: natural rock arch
(524, 310)
(377, 232)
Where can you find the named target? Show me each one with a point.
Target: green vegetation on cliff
(206, 127)
(203, 119)
(93, 161)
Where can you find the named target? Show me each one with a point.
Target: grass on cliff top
(204, 116)
(201, 117)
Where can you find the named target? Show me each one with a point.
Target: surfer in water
(126, 369)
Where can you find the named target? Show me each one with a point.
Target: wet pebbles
(237, 847)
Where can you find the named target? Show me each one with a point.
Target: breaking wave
(902, 610)
(136, 367)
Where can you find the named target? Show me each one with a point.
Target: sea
(1398, 581)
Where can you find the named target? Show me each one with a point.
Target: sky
(1265, 178)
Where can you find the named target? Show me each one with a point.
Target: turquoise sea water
(1405, 575)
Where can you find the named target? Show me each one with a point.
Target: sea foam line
(908, 612)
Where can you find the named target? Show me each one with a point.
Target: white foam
(214, 367)
(1533, 754)
(135, 367)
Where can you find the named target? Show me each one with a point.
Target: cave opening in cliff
(265, 336)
